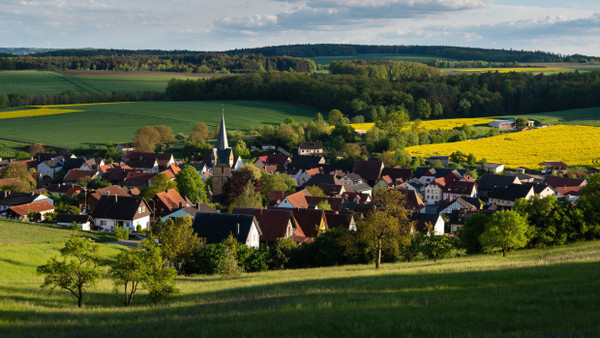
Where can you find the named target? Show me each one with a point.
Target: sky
(564, 27)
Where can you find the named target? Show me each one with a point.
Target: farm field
(542, 292)
(435, 124)
(99, 124)
(47, 82)
(574, 145)
(581, 117)
(325, 60)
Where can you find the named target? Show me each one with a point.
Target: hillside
(543, 292)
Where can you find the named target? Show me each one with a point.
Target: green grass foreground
(103, 123)
(546, 292)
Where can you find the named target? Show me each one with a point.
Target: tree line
(471, 95)
(186, 62)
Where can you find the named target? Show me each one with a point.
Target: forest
(423, 97)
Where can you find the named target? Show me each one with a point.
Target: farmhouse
(122, 211)
(310, 148)
(22, 212)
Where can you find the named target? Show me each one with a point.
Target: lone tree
(507, 230)
(143, 264)
(77, 270)
(178, 241)
(388, 226)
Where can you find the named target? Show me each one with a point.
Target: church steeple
(222, 142)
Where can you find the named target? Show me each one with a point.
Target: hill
(98, 124)
(542, 292)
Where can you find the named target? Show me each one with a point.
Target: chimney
(238, 229)
(116, 198)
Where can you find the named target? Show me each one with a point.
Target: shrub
(208, 257)
(121, 233)
(280, 253)
(138, 228)
(228, 265)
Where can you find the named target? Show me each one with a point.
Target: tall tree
(199, 132)
(158, 183)
(78, 269)
(178, 242)
(507, 230)
(474, 226)
(190, 184)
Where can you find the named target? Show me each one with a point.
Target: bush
(121, 233)
(228, 265)
(208, 257)
(255, 259)
(279, 253)
(138, 228)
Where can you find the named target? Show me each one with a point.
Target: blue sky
(565, 27)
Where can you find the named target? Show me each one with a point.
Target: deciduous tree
(190, 184)
(178, 242)
(507, 230)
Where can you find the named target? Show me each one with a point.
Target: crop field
(13, 114)
(99, 124)
(47, 82)
(435, 124)
(542, 292)
(582, 117)
(325, 60)
(574, 145)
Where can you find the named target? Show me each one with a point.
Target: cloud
(313, 14)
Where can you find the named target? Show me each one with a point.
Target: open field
(574, 145)
(533, 68)
(325, 60)
(436, 124)
(9, 148)
(581, 117)
(103, 123)
(47, 82)
(545, 292)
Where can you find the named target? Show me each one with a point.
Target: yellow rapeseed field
(519, 70)
(78, 104)
(574, 145)
(35, 112)
(434, 124)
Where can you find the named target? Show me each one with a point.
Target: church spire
(222, 142)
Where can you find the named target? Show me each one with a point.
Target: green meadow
(543, 292)
(103, 123)
(48, 82)
(580, 117)
(9, 148)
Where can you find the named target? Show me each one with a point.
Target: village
(438, 199)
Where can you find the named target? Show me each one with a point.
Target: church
(223, 162)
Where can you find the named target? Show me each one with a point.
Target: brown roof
(557, 181)
(338, 219)
(137, 179)
(297, 200)
(310, 145)
(171, 199)
(273, 222)
(308, 220)
(111, 190)
(161, 158)
(40, 206)
(369, 170)
(75, 175)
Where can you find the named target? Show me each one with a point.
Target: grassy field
(47, 82)
(325, 60)
(9, 148)
(581, 117)
(103, 123)
(574, 145)
(545, 292)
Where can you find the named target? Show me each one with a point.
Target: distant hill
(5, 51)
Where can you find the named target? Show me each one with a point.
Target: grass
(581, 117)
(543, 292)
(103, 123)
(9, 148)
(48, 82)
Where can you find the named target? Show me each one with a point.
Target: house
(503, 124)
(336, 219)
(384, 182)
(51, 167)
(10, 199)
(304, 176)
(310, 148)
(312, 221)
(444, 160)
(506, 196)
(413, 201)
(492, 168)
(84, 222)
(458, 204)
(138, 179)
(456, 189)
(146, 160)
(564, 182)
(427, 175)
(90, 199)
(75, 175)
(274, 224)
(489, 182)
(189, 211)
(216, 227)
(304, 162)
(21, 212)
(352, 179)
(295, 200)
(554, 167)
(434, 191)
(319, 179)
(428, 223)
(128, 212)
(370, 171)
(541, 190)
(397, 174)
(166, 202)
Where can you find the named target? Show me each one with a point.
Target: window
(103, 223)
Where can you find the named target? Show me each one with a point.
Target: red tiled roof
(297, 200)
(171, 199)
(75, 175)
(171, 171)
(40, 206)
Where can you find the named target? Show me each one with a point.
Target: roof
(23, 209)
(297, 200)
(222, 142)
(397, 172)
(171, 171)
(17, 198)
(308, 220)
(338, 219)
(111, 190)
(144, 162)
(554, 164)
(490, 181)
(118, 207)
(369, 170)
(276, 159)
(460, 187)
(216, 227)
(334, 202)
(557, 181)
(318, 179)
(75, 175)
(72, 163)
(69, 218)
(310, 145)
(510, 193)
(171, 199)
(423, 220)
(303, 162)
(436, 172)
(162, 158)
(137, 179)
(273, 222)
